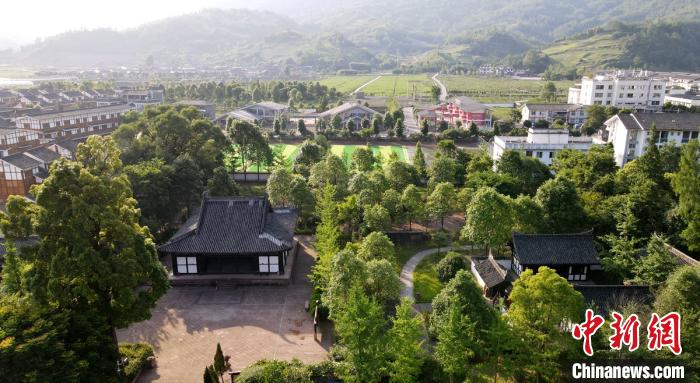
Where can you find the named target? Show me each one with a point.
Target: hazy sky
(25, 20)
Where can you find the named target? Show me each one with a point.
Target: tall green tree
(377, 245)
(222, 184)
(279, 184)
(301, 127)
(330, 171)
(327, 237)
(657, 265)
(442, 201)
(419, 161)
(443, 169)
(529, 172)
(405, 344)
(376, 218)
(363, 159)
(424, 128)
(489, 219)
(310, 153)
(360, 327)
(221, 366)
(93, 258)
(560, 201)
(399, 128)
(454, 344)
(35, 345)
(411, 203)
(686, 185)
(462, 292)
(250, 145)
(377, 124)
(540, 303)
(681, 293)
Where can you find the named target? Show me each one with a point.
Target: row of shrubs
(137, 357)
(276, 371)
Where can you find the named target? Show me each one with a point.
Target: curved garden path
(409, 267)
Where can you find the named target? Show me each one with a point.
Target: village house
(572, 256)
(8, 97)
(629, 133)
(685, 81)
(74, 123)
(639, 91)
(354, 111)
(493, 276)
(466, 110)
(263, 113)
(139, 99)
(206, 108)
(687, 100)
(233, 235)
(72, 95)
(22, 170)
(540, 143)
(266, 111)
(17, 140)
(571, 114)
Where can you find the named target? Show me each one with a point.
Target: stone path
(443, 88)
(410, 266)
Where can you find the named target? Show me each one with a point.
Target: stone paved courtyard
(251, 323)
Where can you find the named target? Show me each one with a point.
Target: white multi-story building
(569, 113)
(629, 133)
(639, 91)
(542, 144)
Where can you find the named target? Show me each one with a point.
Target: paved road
(410, 266)
(443, 88)
(409, 121)
(365, 84)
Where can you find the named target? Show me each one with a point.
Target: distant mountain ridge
(335, 33)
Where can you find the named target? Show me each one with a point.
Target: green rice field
(288, 152)
(345, 84)
(386, 85)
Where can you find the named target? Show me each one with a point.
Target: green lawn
(288, 152)
(405, 251)
(426, 284)
(501, 113)
(345, 84)
(497, 89)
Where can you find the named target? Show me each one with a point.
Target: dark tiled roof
(607, 297)
(44, 154)
(70, 145)
(555, 249)
(345, 107)
(21, 161)
(663, 121)
(234, 225)
(490, 271)
(468, 104)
